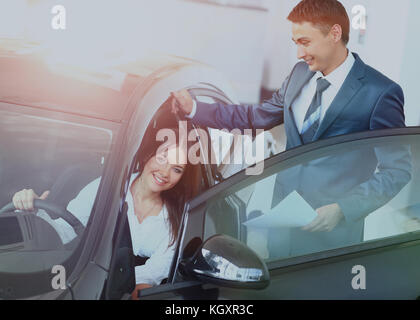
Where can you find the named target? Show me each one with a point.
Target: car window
(374, 183)
(65, 157)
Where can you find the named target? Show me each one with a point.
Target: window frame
(219, 96)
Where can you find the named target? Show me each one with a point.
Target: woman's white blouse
(150, 239)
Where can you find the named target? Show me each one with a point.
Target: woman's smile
(159, 180)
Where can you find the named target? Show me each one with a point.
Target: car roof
(30, 77)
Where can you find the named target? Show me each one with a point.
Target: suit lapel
(350, 87)
(299, 79)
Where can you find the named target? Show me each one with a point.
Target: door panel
(386, 277)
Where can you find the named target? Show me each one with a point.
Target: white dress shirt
(193, 112)
(303, 101)
(150, 238)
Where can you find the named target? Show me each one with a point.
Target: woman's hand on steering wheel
(24, 199)
(28, 200)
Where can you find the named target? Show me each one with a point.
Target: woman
(156, 200)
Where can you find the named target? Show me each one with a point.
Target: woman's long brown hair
(188, 186)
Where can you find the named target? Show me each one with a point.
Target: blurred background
(248, 40)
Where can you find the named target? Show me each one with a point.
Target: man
(332, 92)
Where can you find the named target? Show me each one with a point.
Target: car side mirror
(227, 262)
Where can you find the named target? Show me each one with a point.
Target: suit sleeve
(260, 116)
(394, 166)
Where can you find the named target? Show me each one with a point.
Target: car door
(372, 251)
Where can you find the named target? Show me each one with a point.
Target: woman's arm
(81, 207)
(155, 269)
(140, 286)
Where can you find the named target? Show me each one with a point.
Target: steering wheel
(59, 211)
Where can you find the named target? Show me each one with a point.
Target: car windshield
(42, 153)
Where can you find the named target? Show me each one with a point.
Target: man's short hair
(323, 14)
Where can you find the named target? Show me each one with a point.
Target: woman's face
(164, 170)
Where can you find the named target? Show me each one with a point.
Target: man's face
(316, 48)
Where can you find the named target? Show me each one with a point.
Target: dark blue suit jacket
(367, 101)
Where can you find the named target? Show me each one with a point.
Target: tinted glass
(363, 190)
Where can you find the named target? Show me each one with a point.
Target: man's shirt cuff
(193, 112)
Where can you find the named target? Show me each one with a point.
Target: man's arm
(220, 116)
(394, 167)
(393, 170)
(392, 174)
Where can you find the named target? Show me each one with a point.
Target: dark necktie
(313, 116)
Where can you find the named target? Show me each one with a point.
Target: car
(63, 126)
